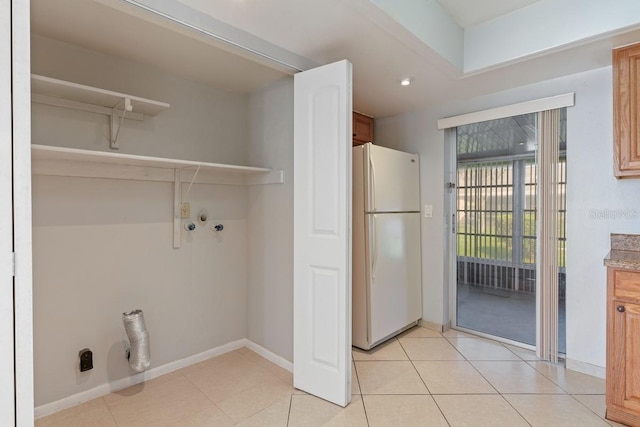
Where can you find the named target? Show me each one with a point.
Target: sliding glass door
(497, 213)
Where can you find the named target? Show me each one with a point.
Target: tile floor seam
(289, 411)
(478, 371)
(415, 369)
(364, 407)
(528, 362)
(109, 409)
(440, 409)
(574, 398)
(200, 390)
(515, 409)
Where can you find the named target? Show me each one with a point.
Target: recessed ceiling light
(406, 81)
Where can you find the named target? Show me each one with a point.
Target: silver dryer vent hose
(139, 355)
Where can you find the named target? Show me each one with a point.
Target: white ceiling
(382, 51)
(468, 13)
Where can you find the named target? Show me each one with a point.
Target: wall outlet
(185, 211)
(86, 360)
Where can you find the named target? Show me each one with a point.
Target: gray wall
(270, 221)
(592, 195)
(102, 247)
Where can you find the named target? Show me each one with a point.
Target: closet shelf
(54, 88)
(62, 161)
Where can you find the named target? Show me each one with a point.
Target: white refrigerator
(387, 284)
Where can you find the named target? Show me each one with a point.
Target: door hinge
(13, 262)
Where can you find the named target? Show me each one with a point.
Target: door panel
(21, 147)
(395, 272)
(7, 403)
(394, 180)
(322, 232)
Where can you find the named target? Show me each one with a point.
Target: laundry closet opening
(109, 232)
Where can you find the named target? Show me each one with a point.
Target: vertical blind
(549, 207)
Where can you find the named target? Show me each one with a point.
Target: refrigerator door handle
(372, 186)
(374, 247)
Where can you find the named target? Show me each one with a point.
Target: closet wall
(102, 247)
(270, 221)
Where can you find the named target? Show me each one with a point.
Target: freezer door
(395, 294)
(393, 180)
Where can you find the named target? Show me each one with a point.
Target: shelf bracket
(177, 204)
(117, 116)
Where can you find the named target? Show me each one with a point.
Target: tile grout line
(446, 420)
(109, 409)
(289, 411)
(589, 409)
(470, 362)
(204, 394)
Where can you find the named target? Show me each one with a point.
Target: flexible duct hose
(139, 355)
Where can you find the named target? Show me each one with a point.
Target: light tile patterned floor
(422, 378)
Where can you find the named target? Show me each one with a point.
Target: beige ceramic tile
(405, 411)
(390, 350)
(515, 377)
(220, 381)
(522, 353)
(311, 411)
(234, 361)
(452, 333)
(420, 332)
(355, 385)
(452, 377)
(554, 410)
(92, 413)
(594, 402)
(169, 398)
(243, 350)
(209, 417)
(389, 377)
(252, 400)
(479, 410)
(430, 349)
(482, 349)
(275, 415)
(570, 381)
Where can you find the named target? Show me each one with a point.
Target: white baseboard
(104, 389)
(271, 357)
(585, 368)
(438, 327)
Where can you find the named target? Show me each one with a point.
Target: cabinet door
(362, 129)
(625, 347)
(626, 81)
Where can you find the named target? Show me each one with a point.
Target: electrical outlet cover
(185, 211)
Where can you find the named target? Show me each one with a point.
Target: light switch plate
(428, 211)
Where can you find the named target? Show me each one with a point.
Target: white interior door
(7, 401)
(322, 232)
(20, 142)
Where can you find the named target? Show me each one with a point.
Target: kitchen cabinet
(362, 129)
(623, 346)
(626, 127)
